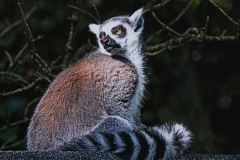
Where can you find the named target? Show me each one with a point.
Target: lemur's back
(80, 97)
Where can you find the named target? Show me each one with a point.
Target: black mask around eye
(109, 43)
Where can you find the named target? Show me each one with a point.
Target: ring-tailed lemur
(94, 105)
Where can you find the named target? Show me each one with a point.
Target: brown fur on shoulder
(80, 97)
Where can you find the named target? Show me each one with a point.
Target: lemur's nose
(107, 40)
(109, 43)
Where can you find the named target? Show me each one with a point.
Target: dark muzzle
(109, 43)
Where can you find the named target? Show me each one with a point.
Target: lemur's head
(120, 35)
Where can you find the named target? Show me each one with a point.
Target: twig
(225, 14)
(71, 38)
(44, 77)
(7, 21)
(10, 59)
(17, 22)
(38, 37)
(56, 60)
(224, 33)
(9, 74)
(206, 28)
(98, 15)
(150, 3)
(14, 124)
(172, 22)
(14, 144)
(154, 53)
(18, 122)
(8, 141)
(155, 34)
(24, 48)
(182, 13)
(151, 8)
(28, 105)
(20, 52)
(35, 57)
(192, 34)
(22, 89)
(165, 26)
(85, 12)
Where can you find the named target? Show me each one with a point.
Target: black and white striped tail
(166, 141)
(177, 139)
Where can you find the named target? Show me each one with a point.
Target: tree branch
(31, 85)
(28, 106)
(225, 14)
(7, 142)
(9, 59)
(192, 34)
(14, 144)
(17, 22)
(164, 25)
(13, 124)
(71, 40)
(42, 65)
(9, 75)
(98, 15)
(172, 22)
(85, 12)
(150, 7)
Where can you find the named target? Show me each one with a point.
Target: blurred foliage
(197, 84)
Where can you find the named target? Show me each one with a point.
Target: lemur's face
(113, 35)
(117, 34)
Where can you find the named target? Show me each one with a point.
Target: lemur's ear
(137, 20)
(94, 28)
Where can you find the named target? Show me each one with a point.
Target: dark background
(197, 84)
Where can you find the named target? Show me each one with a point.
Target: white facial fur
(131, 48)
(132, 37)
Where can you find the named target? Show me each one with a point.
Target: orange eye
(101, 38)
(119, 31)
